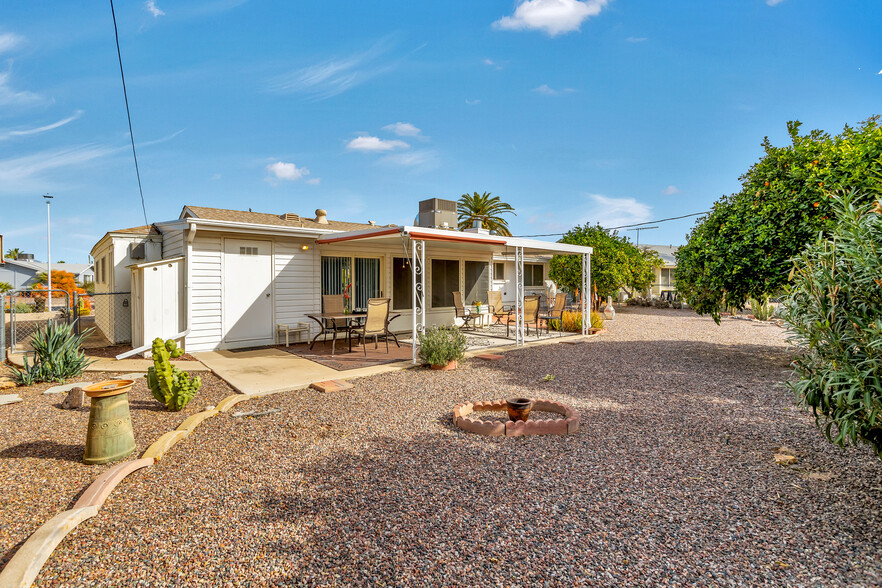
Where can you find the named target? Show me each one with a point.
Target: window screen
(498, 271)
(445, 281)
(533, 275)
(477, 281)
(402, 284)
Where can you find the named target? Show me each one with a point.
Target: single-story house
(227, 277)
(22, 272)
(664, 276)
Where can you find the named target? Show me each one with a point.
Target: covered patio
(425, 254)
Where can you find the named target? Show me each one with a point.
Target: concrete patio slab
(140, 365)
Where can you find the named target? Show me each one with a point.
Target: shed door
(248, 304)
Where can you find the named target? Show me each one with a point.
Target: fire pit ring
(565, 426)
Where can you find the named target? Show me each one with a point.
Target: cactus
(169, 384)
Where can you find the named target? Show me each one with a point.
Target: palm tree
(13, 253)
(486, 209)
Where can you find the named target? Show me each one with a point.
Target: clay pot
(518, 408)
(451, 365)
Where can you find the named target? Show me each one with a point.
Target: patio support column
(586, 293)
(418, 288)
(519, 296)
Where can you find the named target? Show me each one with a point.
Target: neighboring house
(22, 273)
(228, 277)
(664, 276)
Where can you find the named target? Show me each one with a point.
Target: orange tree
(62, 280)
(742, 248)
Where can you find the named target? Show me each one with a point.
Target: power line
(662, 220)
(128, 114)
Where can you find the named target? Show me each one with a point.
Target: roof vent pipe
(476, 223)
(321, 216)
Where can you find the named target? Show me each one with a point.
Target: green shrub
(23, 307)
(441, 345)
(57, 355)
(834, 315)
(5, 287)
(762, 311)
(169, 384)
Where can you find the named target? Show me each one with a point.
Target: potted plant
(442, 347)
(478, 304)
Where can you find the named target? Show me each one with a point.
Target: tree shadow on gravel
(45, 450)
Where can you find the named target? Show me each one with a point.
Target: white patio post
(519, 296)
(418, 288)
(586, 293)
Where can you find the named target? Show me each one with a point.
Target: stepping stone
(9, 399)
(66, 387)
(331, 386)
(490, 356)
(132, 376)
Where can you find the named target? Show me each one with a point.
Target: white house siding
(205, 270)
(296, 283)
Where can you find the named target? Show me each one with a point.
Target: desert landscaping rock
(75, 399)
(133, 376)
(66, 387)
(378, 487)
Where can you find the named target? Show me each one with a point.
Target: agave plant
(57, 355)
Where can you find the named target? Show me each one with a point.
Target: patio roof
(495, 243)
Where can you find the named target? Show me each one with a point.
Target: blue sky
(611, 111)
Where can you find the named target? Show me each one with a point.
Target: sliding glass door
(356, 278)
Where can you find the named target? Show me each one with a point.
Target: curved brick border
(565, 426)
(22, 569)
(100, 489)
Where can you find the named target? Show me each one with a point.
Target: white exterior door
(248, 303)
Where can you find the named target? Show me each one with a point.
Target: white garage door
(248, 304)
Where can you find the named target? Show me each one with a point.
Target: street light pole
(48, 252)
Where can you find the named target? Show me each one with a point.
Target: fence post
(3, 328)
(75, 313)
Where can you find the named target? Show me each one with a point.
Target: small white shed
(162, 284)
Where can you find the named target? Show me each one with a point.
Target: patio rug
(344, 360)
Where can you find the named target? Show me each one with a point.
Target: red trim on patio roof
(354, 237)
(455, 238)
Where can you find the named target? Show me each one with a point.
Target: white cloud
(22, 173)
(880, 73)
(285, 171)
(9, 97)
(549, 91)
(403, 129)
(774, 2)
(426, 159)
(151, 7)
(314, 181)
(671, 190)
(551, 16)
(9, 41)
(636, 39)
(472, 102)
(614, 212)
(375, 144)
(491, 63)
(34, 131)
(333, 76)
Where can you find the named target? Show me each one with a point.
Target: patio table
(334, 318)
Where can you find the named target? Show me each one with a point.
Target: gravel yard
(670, 481)
(42, 445)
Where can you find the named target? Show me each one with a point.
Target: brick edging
(565, 426)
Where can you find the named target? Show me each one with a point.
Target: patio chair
(531, 313)
(463, 313)
(332, 304)
(376, 324)
(496, 308)
(555, 313)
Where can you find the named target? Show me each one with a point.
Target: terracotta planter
(518, 408)
(451, 365)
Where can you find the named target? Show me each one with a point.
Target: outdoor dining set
(373, 323)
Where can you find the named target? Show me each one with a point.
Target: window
(533, 274)
(247, 250)
(103, 278)
(498, 271)
(357, 288)
(402, 284)
(445, 281)
(477, 281)
(666, 277)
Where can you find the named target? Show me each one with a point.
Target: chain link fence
(26, 311)
(109, 316)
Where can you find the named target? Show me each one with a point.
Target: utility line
(128, 114)
(627, 226)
